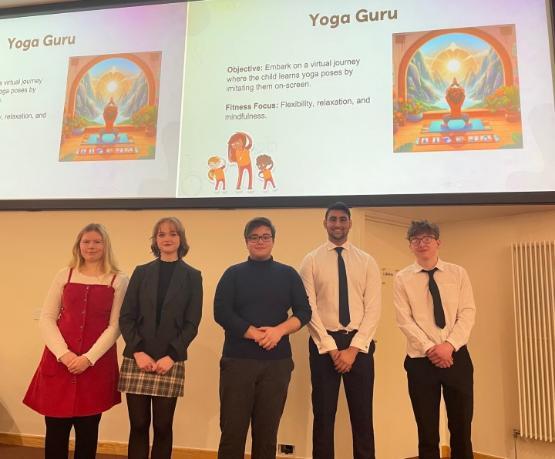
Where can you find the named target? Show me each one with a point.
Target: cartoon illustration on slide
(456, 89)
(238, 151)
(265, 165)
(111, 107)
(216, 172)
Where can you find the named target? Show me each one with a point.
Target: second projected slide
(366, 98)
(90, 103)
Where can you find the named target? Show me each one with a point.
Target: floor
(21, 452)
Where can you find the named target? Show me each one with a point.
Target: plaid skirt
(136, 381)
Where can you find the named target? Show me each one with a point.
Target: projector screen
(224, 103)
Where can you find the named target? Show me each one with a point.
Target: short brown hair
(422, 227)
(183, 248)
(257, 222)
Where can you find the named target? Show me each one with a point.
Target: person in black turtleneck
(251, 304)
(159, 318)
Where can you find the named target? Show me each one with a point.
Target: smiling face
(91, 247)
(260, 243)
(337, 224)
(167, 241)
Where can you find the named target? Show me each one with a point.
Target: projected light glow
(391, 109)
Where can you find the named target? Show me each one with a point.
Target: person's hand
(78, 365)
(271, 337)
(144, 361)
(441, 355)
(67, 358)
(344, 359)
(164, 365)
(253, 333)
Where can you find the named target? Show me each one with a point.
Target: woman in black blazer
(159, 318)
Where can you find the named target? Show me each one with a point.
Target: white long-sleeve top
(320, 277)
(53, 303)
(415, 310)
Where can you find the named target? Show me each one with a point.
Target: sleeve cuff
(327, 344)
(362, 345)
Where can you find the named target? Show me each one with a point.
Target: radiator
(534, 309)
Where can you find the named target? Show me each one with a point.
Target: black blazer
(180, 317)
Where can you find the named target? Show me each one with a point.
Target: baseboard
(446, 452)
(115, 448)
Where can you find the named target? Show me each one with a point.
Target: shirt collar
(440, 265)
(331, 246)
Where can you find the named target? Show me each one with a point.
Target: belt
(341, 332)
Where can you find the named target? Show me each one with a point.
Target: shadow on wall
(7, 423)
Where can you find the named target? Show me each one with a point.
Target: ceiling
(14, 3)
(449, 214)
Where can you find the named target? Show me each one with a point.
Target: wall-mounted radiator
(534, 308)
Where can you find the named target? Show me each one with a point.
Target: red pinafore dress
(54, 391)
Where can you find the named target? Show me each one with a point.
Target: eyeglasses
(254, 238)
(416, 241)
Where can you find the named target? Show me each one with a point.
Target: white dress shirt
(415, 310)
(53, 303)
(319, 273)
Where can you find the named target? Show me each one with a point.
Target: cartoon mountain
(85, 103)
(489, 77)
(420, 84)
(136, 98)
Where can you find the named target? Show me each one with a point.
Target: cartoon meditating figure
(238, 151)
(216, 171)
(265, 165)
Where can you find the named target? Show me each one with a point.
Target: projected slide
(90, 103)
(111, 107)
(354, 98)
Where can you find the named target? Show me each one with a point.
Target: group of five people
(337, 293)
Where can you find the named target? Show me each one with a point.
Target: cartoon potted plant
(398, 120)
(505, 99)
(74, 125)
(146, 118)
(413, 110)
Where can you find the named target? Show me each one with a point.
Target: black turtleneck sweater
(258, 293)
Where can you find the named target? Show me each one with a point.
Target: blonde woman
(76, 380)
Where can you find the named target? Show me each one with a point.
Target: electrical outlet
(286, 449)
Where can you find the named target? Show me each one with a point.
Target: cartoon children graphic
(216, 167)
(238, 149)
(265, 165)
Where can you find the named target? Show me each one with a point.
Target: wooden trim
(446, 452)
(115, 448)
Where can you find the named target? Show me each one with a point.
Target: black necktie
(344, 316)
(439, 315)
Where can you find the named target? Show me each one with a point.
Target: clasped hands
(146, 363)
(266, 337)
(441, 355)
(76, 364)
(343, 360)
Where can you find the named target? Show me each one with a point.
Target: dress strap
(69, 275)
(113, 279)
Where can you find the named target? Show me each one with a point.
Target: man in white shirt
(343, 285)
(435, 310)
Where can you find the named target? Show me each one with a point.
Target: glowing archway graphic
(150, 78)
(495, 44)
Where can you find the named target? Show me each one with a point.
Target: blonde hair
(109, 264)
(180, 230)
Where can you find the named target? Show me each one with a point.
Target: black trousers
(57, 437)
(359, 389)
(426, 382)
(252, 392)
(139, 408)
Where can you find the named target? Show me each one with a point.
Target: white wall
(37, 244)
